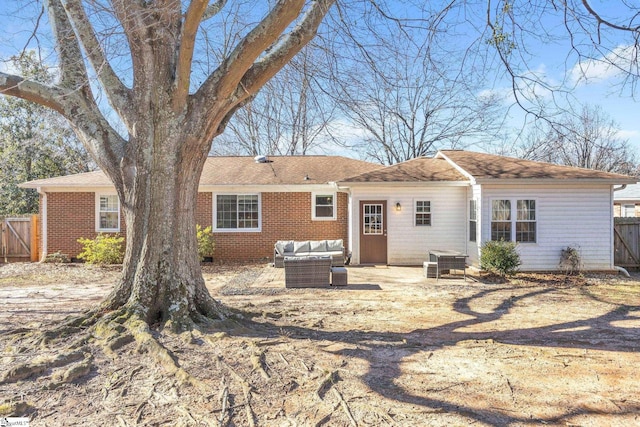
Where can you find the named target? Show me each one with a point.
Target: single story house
(459, 199)
(455, 200)
(626, 201)
(249, 202)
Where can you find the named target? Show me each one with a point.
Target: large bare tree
(170, 121)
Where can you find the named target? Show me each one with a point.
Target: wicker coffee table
(307, 272)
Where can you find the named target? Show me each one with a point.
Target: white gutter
(343, 184)
(43, 224)
(457, 167)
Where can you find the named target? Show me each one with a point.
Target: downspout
(43, 223)
(622, 270)
(619, 269)
(349, 248)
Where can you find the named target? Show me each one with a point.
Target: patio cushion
(283, 246)
(301, 247)
(334, 245)
(318, 246)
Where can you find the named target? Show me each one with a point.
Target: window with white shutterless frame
(107, 212)
(323, 206)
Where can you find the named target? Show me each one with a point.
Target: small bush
(57, 258)
(104, 249)
(500, 257)
(206, 245)
(570, 260)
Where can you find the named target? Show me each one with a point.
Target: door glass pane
(372, 221)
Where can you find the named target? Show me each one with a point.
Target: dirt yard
(392, 348)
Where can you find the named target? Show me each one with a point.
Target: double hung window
(107, 213)
(237, 212)
(514, 220)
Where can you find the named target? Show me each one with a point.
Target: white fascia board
(344, 185)
(307, 188)
(542, 181)
(289, 188)
(74, 189)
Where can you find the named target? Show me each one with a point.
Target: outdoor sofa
(309, 248)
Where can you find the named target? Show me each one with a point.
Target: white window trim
(106, 230)
(475, 238)
(313, 206)
(415, 212)
(514, 217)
(623, 210)
(236, 230)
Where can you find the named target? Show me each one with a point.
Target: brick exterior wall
(285, 216)
(69, 217)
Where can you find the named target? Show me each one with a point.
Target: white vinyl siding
(576, 216)
(406, 243)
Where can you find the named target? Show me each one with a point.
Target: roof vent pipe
(260, 159)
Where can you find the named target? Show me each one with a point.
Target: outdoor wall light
(398, 207)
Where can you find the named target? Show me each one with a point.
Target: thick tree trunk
(156, 170)
(162, 279)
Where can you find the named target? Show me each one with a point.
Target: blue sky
(549, 61)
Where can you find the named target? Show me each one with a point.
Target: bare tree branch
(213, 9)
(232, 70)
(117, 93)
(49, 96)
(287, 47)
(190, 26)
(74, 72)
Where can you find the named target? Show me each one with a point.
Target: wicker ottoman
(338, 276)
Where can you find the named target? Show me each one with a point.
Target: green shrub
(57, 258)
(206, 245)
(500, 257)
(104, 249)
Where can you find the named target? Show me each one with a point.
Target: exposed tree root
(246, 390)
(326, 382)
(87, 333)
(258, 362)
(345, 406)
(42, 364)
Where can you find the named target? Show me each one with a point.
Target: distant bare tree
(406, 93)
(289, 116)
(588, 140)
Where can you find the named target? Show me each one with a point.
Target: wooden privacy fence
(626, 235)
(19, 239)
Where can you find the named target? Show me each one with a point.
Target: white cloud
(628, 134)
(605, 67)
